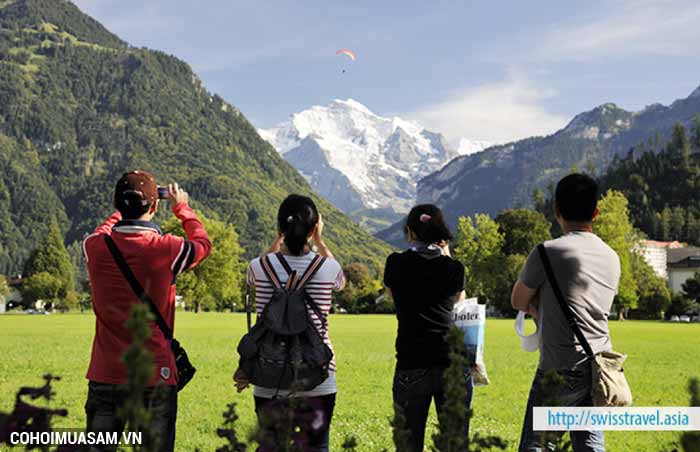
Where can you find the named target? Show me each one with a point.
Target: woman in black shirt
(424, 282)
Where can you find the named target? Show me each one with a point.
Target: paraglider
(348, 53)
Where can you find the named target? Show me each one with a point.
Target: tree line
(639, 202)
(493, 251)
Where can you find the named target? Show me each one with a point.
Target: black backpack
(284, 350)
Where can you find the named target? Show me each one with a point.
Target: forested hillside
(661, 180)
(78, 107)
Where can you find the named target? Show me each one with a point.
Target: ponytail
(296, 218)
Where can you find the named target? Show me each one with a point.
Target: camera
(163, 193)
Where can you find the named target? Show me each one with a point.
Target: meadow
(662, 358)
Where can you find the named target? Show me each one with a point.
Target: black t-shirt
(424, 289)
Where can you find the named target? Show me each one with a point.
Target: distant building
(656, 255)
(682, 265)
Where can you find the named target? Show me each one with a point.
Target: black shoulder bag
(185, 369)
(609, 385)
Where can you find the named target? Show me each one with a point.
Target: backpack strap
(291, 281)
(284, 263)
(311, 271)
(298, 283)
(270, 272)
(292, 274)
(566, 309)
(295, 282)
(248, 312)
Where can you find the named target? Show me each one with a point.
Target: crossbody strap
(136, 287)
(566, 309)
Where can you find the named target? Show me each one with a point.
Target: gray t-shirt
(588, 273)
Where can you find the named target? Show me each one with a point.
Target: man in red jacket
(156, 260)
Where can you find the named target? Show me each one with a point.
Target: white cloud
(629, 28)
(497, 112)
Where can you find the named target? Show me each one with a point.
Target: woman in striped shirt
(299, 223)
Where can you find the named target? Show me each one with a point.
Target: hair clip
(290, 219)
(425, 218)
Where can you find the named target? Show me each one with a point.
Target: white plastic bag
(470, 317)
(529, 343)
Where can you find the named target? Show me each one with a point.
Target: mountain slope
(77, 110)
(506, 175)
(358, 160)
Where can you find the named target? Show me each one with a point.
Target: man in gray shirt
(588, 273)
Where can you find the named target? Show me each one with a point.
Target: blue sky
(485, 70)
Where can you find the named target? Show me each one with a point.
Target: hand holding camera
(174, 194)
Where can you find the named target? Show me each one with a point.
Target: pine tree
(665, 224)
(692, 226)
(52, 257)
(680, 145)
(696, 134)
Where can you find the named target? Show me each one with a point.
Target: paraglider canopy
(349, 53)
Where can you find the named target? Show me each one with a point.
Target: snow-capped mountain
(360, 161)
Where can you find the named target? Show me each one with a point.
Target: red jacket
(156, 260)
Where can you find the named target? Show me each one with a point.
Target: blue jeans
(105, 400)
(574, 390)
(413, 391)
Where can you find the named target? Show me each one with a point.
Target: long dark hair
(428, 224)
(296, 219)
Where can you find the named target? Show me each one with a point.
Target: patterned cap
(136, 189)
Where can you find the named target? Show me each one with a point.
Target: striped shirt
(329, 278)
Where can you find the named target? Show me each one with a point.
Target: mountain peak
(606, 118)
(353, 105)
(62, 14)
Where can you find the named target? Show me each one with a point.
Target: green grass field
(662, 357)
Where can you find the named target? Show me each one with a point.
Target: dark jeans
(312, 416)
(413, 391)
(574, 390)
(104, 400)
